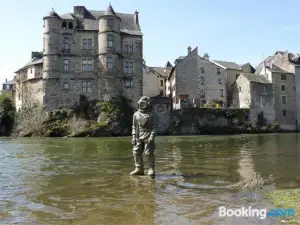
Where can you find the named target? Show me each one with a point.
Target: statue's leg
(149, 151)
(138, 158)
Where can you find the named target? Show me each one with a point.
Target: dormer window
(70, 25)
(110, 23)
(64, 25)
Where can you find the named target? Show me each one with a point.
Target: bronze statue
(143, 134)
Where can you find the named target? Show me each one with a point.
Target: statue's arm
(134, 124)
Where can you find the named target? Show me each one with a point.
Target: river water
(85, 181)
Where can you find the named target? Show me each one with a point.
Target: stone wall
(206, 121)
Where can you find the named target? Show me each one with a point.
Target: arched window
(70, 25)
(64, 25)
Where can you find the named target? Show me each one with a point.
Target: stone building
(195, 80)
(255, 93)
(154, 80)
(97, 54)
(285, 86)
(7, 88)
(233, 70)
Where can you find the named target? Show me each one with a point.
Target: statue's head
(144, 104)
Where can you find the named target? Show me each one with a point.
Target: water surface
(86, 181)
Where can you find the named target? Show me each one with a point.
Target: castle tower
(110, 51)
(51, 43)
(51, 47)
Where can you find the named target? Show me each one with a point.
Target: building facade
(195, 80)
(233, 70)
(154, 80)
(97, 54)
(255, 93)
(284, 93)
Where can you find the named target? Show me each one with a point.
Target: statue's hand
(133, 141)
(151, 138)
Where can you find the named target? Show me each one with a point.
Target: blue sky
(231, 30)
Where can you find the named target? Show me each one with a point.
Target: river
(86, 181)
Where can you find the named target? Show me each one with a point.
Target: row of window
(87, 43)
(202, 93)
(87, 65)
(218, 70)
(86, 86)
(202, 80)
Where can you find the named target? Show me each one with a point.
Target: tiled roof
(68, 16)
(256, 78)
(33, 61)
(9, 82)
(160, 70)
(90, 22)
(228, 65)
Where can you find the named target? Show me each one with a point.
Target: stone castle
(98, 54)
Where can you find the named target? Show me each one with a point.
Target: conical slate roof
(168, 64)
(110, 11)
(53, 13)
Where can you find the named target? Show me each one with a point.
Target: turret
(109, 38)
(51, 43)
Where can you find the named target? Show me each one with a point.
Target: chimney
(206, 56)
(79, 10)
(37, 55)
(6, 80)
(189, 49)
(136, 17)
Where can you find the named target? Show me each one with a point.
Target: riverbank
(289, 198)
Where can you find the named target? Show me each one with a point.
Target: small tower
(51, 40)
(109, 44)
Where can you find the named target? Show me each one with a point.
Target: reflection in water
(86, 181)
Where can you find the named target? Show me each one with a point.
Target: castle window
(128, 83)
(86, 87)
(161, 83)
(202, 93)
(283, 99)
(109, 63)
(110, 40)
(90, 43)
(87, 43)
(218, 71)
(220, 80)
(202, 80)
(66, 65)
(128, 47)
(284, 112)
(161, 92)
(265, 90)
(66, 44)
(110, 23)
(66, 86)
(64, 25)
(87, 65)
(282, 87)
(128, 67)
(283, 77)
(240, 89)
(70, 25)
(221, 93)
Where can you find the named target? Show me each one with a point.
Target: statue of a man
(143, 134)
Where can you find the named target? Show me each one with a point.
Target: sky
(231, 30)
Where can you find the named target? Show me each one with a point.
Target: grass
(289, 198)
